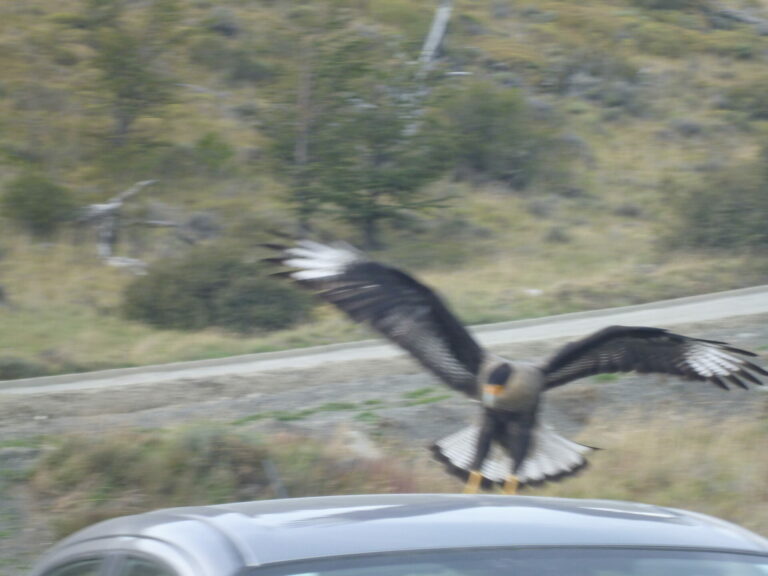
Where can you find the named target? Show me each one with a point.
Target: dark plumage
(511, 445)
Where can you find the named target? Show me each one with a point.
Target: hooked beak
(491, 392)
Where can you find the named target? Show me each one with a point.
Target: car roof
(272, 531)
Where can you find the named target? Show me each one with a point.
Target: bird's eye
(500, 374)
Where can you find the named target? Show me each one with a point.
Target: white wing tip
(315, 260)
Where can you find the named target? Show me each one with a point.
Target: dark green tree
(328, 57)
(374, 160)
(129, 45)
(349, 139)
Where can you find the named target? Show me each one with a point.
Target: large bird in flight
(511, 446)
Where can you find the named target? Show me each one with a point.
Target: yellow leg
(511, 484)
(474, 481)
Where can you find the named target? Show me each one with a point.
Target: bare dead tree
(427, 57)
(435, 37)
(105, 217)
(109, 222)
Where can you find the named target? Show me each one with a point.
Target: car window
(532, 562)
(89, 567)
(132, 566)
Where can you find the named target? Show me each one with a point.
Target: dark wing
(628, 348)
(392, 302)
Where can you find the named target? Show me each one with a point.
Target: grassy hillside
(647, 103)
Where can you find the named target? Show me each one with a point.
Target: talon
(474, 480)
(511, 484)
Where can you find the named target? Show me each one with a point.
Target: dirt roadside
(371, 401)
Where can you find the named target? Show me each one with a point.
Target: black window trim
(121, 555)
(107, 561)
(272, 568)
(112, 561)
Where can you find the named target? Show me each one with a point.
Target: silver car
(413, 535)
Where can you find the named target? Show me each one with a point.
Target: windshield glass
(531, 562)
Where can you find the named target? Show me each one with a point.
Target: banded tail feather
(551, 457)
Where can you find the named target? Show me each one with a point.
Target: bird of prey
(511, 446)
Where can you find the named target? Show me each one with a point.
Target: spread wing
(392, 302)
(628, 348)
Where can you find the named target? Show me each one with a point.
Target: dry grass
(713, 466)
(84, 479)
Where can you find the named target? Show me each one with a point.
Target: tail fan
(551, 457)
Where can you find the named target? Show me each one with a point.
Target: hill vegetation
(557, 156)
(83, 480)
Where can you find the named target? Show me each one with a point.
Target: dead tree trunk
(435, 37)
(106, 219)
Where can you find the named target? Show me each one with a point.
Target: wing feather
(393, 303)
(646, 350)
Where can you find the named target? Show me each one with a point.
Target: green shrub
(213, 154)
(37, 204)
(750, 98)
(665, 40)
(409, 18)
(12, 368)
(256, 301)
(213, 287)
(594, 62)
(729, 211)
(737, 44)
(237, 64)
(490, 132)
(245, 68)
(672, 4)
(212, 52)
(143, 158)
(224, 22)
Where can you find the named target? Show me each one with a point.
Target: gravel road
(667, 313)
(395, 388)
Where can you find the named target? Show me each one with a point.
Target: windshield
(531, 562)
